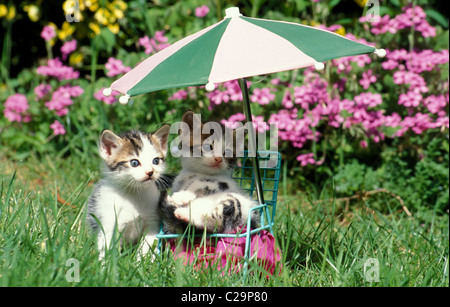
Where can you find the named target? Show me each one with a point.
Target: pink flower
(106, 99)
(62, 98)
(260, 125)
(56, 69)
(145, 42)
(159, 42)
(237, 119)
(416, 81)
(287, 100)
(48, 32)
(115, 67)
(68, 48)
(363, 144)
(57, 128)
(201, 11)
(367, 79)
(262, 96)
(159, 37)
(392, 120)
(180, 95)
(410, 99)
(232, 92)
(389, 64)
(291, 128)
(368, 99)
(436, 104)
(42, 89)
(313, 91)
(418, 124)
(306, 159)
(15, 106)
(411, 17)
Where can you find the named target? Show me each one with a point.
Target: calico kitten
(128, 195)
(204, 193)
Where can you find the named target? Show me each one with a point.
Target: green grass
(322, 242)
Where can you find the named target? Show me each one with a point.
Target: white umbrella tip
(124, 99)
(319, 65)
(232, 12)
(210, 86)
(380, 52)
(107, 92)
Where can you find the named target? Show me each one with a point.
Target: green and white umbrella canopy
(235, 48)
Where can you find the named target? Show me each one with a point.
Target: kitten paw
(181, 198)
(182, 214)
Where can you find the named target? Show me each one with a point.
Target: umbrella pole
(252, 140)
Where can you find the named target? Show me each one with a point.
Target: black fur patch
(165, 181)
(204, 192)
(223, 186)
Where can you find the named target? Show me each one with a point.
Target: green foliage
(321, 245)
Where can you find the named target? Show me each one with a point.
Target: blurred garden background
(363, 141)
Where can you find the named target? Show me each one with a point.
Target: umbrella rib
(337, 45)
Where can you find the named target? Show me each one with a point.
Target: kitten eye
(135, 163)
(156, 161)
(207, 147)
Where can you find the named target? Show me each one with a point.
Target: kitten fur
(127, 196)
(205, 194)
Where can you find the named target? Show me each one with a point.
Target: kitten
(128, 195)
(204, 193)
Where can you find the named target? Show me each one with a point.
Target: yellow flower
(33, 12)
(114, 28)
(92, 5)
(95, 28)
(117, 7)
(69, 9)
(102, 15)
(340, 31)
(69, 6)
(9, 13)
(66, 30)
(75, 59)
(3, 10)
(361, 3)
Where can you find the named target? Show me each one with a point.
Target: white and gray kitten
(126, 199)
(204, 193)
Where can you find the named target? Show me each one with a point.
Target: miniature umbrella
(235, 48)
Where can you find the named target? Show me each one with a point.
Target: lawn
(325, 241)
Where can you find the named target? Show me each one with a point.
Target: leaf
(333, 3)
(438, 17)
(106, 40)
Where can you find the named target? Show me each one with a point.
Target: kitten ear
(193, 120)
(195, 128)
(109, 142)
(162, 134)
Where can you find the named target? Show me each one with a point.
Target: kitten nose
(218, 159)
(149, 173)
